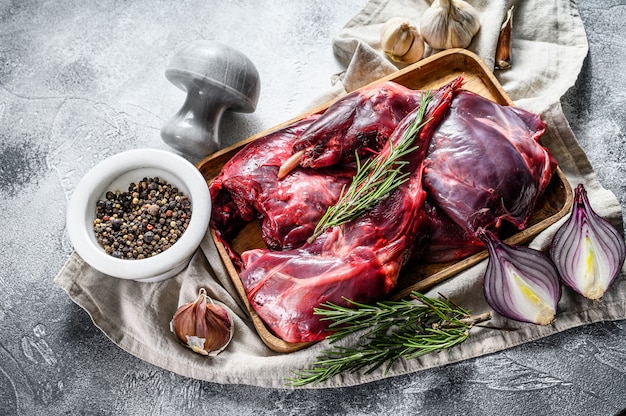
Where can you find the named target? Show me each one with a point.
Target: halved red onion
(587, 250)
(520, 283)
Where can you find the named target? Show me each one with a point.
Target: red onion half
(587, 250)
(520, 283)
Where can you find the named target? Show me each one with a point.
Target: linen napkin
(549, 47)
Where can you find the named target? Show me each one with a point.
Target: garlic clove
(505, 42)
(401, 41)
(202, 325)
(449, 24)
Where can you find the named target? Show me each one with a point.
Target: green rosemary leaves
(375, 178)
(388, 331)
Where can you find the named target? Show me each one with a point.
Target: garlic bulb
(202, 325)
(449, 24)
(401, 41)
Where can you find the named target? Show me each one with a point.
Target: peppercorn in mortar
(142, 222)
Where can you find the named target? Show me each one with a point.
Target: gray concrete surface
(82, 80)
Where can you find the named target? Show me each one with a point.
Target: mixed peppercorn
(142, 222)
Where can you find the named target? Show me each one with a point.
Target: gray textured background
(80, 81)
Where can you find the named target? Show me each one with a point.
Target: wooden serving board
(429, 73)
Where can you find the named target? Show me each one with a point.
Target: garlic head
(401, 41)
(449, 24)
(203, 326)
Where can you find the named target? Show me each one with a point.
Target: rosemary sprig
(388, 331)
(375, 179)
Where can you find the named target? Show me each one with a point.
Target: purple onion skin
(587, 250)
(520, 283)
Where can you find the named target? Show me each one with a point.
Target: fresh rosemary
(375, 178)
(388, 331)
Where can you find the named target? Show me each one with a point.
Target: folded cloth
(136, 316)
(545, 60)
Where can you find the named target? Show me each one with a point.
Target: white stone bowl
(116, 173)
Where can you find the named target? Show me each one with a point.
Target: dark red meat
(360, 260)
(247, 188)
(447, 241)
(360, 122)
(485, 164)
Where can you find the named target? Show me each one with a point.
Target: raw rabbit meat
(360, 260)
(485, 164)
(247, 188)
(359, 123)
(447, 241)
(478, 164)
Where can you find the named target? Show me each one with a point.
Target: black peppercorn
(116, 224)
(126, 220)
(148, 236)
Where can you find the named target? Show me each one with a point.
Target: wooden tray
(430, 73)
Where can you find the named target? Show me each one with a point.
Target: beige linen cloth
(549, 47)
